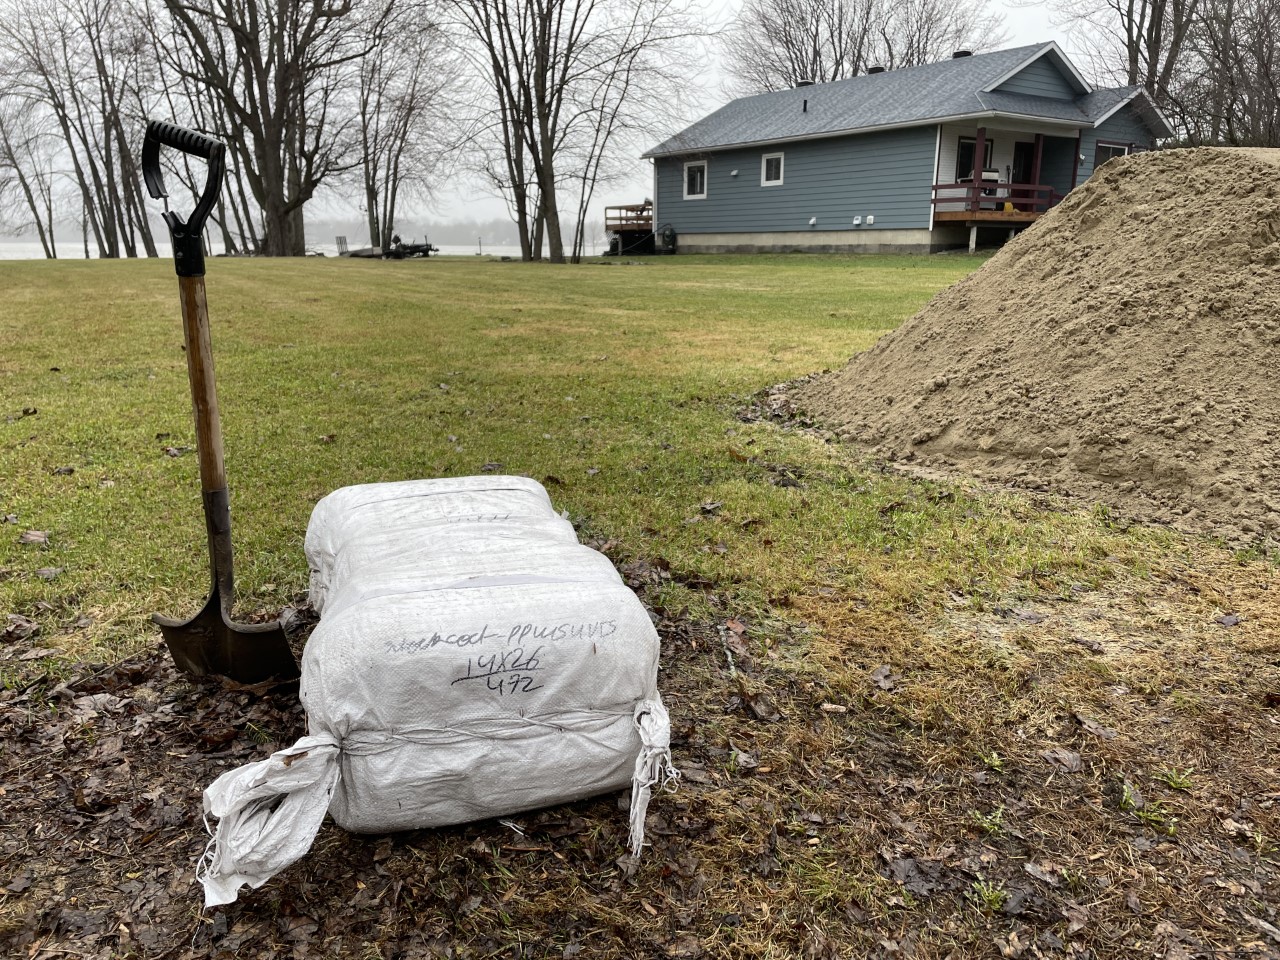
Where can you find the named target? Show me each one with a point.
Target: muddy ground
(1080, 776)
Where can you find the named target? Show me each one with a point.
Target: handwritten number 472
(512, 683)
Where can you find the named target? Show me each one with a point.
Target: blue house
(919, 159)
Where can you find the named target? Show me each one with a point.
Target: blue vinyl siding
(1057, 162)
(1040, 79)
(885, 175)
(1125, 126)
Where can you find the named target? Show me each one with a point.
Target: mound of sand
(1126, 347)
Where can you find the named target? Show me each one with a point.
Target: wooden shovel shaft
(204, 403)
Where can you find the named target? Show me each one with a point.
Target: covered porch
(990, 177)
(994, 204)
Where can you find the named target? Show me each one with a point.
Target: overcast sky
(1024, 23)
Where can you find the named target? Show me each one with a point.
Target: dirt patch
(1125, 347)
(1048, 777)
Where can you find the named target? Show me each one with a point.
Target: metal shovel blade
(209, 643)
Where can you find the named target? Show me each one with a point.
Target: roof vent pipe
(871, 70)
(961, 53)
(803, 83)
(805, 108)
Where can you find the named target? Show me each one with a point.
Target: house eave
(880, 128)
(1162, 128)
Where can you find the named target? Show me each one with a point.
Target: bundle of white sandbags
(472, 660)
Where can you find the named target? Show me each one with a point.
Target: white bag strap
(653, 765)
(268, 815)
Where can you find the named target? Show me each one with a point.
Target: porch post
(979, 156)
(1035, 172)
(1075, 163)
(973, 238)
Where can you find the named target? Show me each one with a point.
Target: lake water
(31, 250)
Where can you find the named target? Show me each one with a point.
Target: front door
(1024, 159)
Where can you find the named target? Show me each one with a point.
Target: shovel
(208, 643)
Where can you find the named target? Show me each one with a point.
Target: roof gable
(1041, 78)
(1046, 73)
(1101, 105)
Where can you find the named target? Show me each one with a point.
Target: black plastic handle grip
(188, 249)
(180, 138)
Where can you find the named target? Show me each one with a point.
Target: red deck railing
(992, 195)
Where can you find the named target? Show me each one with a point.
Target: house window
(771, 170)
(1106, 151)
(695, 180)
(964, 157)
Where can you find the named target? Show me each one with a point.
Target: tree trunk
(371, 211)
(539, 225)
(550, 208)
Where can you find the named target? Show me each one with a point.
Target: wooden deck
(987, 217)
(629, 227)
(991, 203)
(629, 218)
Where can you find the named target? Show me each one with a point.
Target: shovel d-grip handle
(187, 236)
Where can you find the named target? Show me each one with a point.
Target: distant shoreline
(31, 250)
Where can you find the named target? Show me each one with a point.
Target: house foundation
(810, 241)
(944, 237)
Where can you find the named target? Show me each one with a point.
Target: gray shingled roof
(928, 93)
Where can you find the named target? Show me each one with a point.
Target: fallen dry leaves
(854, 784)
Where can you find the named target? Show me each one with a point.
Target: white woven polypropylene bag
(472, 660)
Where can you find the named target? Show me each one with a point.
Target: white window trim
(1126, 147)
(1109, 145)
(706, 171)
(764, 165)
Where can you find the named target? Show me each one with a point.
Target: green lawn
(619, 381)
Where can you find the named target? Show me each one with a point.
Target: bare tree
(279, 70)
(1227, 88)
(775, 44)
(404, 123)
(913, 32)
(503, 36)
(621, 96)
(79, 61)
(1132, 42)
(286, 84)
(123, 75)
(1212, 65)
(26, 171)
(503, 161)
(555, 70)
(184, 100)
